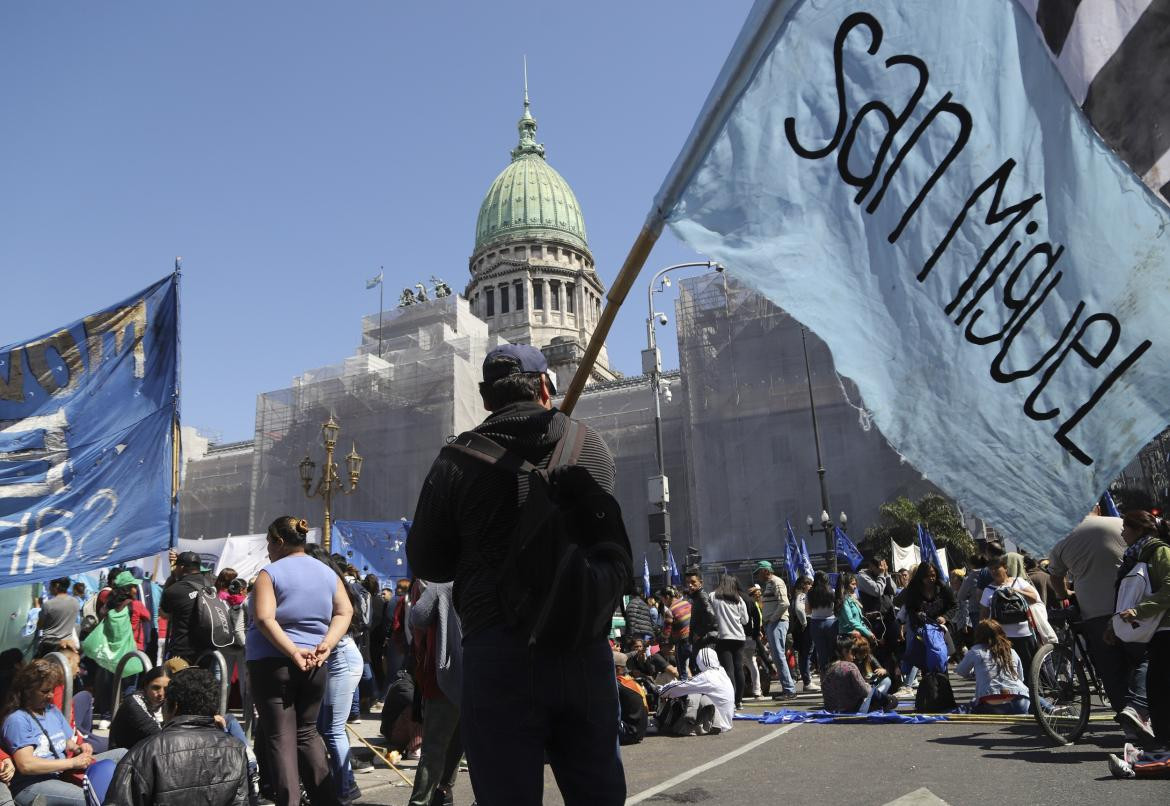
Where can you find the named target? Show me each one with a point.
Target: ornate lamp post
(330, 480)
(658, 487)
(827, 529)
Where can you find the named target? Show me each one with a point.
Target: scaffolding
(748, 440)
(398, 411)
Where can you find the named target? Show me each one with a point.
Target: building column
(546, 302)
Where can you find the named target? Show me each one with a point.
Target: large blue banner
(88, 415)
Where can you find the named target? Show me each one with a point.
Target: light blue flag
(919, 169)
(791, 554)
(88, 415)
(806, 566)
(846, 549)
(1110, 505)
(645, 576)
(675, 577)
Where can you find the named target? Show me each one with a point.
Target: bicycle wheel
(1060, 693)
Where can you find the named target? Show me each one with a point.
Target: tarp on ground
(826, 718)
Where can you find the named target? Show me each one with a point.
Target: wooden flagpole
(635, 260)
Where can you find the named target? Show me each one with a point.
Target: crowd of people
(563, 656)
(867, 640)
(309, 647)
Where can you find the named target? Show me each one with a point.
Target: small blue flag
(846, 549)
(645, 576)
(929, 552)
(1110, 506)
(675, 577)
(806, 567)
(791, 554)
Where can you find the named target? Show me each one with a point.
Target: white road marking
(919, 797)
(670, 783)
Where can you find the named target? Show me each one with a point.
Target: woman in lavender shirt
(300, 612)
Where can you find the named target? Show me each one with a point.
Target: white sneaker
(811, 687)
(103, 725)
(904, 693)
(1131, 720)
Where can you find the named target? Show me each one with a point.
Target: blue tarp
(826, 718)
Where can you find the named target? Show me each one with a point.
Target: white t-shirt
(1023, 629)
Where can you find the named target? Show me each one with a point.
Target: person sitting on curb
(632, 698)
(998, 672)
(711, 684)
(847, 692)
(191, 760)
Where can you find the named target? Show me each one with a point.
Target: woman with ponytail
(998, 672)
(300, 612)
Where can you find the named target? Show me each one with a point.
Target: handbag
(1038, 615)
(75, 777)
(1133, 588)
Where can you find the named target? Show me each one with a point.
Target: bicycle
(1062, 680)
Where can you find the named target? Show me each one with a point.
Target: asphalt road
(907, 765)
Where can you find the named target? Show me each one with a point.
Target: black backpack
(1008, 606)
(566, 568)
(211, 626)
(934, 694)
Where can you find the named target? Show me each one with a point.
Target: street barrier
(67, 674)
(146, 667)
(221, 670)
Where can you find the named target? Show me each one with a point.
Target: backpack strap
(568, 449)
(490, 452)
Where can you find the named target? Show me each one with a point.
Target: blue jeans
(824, 640)
(521, 705)
(1122, 667)
(682, 658)
(1016, 705)
(55, 792)
(344, 668)
(366, 678)
(777, 638)
(878, 697)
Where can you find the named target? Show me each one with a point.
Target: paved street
(910, 765)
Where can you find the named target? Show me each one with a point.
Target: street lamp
(825, 520)
(330, 480)
(827, 529)
(658, 487)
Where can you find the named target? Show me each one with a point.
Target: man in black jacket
(192, 761)
(525, 703)
(704, 627)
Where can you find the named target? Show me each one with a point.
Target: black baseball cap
(512, 359)
(188, 559)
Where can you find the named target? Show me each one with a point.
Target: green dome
(529, 199)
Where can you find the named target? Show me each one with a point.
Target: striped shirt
(680, 620)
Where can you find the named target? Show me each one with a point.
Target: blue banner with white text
(88, 415)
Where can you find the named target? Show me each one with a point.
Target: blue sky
(287, 150)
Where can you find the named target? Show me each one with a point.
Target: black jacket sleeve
(126, 788)
(432, 545)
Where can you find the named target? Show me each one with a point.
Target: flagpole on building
(381, 288)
